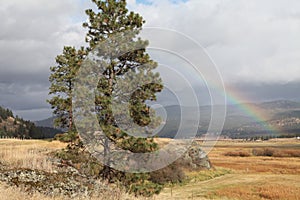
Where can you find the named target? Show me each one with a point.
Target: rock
(68, 184)
(196, 158)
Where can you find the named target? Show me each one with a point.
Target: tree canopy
(62, 80)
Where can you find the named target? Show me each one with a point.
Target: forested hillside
(14, 126)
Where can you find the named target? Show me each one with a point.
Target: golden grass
(270, 191)
(14, 193)
(253, 177)
(203, 175)
(257, 164)
(29, 154)
(237, 186)
(34, 154)
(279, 191)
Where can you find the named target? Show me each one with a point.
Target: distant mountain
(287, 114)
(49, 122)
(280, 105)
(282, 115)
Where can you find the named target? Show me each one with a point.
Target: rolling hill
(49, 122)
(283, 116)
(13, 126)
(280, 117)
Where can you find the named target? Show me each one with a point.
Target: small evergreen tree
(62, 80)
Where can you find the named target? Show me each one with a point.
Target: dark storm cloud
(254, 43)
(32, 34)
(268, 91)
(23, 95)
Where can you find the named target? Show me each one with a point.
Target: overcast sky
(255, 44)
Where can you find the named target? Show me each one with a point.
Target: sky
(254, 44)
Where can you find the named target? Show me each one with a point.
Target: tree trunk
(107, 170)
(70, 119)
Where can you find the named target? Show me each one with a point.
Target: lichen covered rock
(195, 158)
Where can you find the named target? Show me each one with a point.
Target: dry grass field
(14, 193)
(238, 174)
(28, 154)
(251, 178)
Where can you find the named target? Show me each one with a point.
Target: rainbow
(234, 97)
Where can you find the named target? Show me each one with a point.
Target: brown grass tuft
(276, 191)
(270, 191)
(273, 152)
(244, 193)
(239, 153)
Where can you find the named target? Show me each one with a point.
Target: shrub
(287, 153)
(276, 152)
(146, 189)
(263, 152)
(75, 156)
(238, 153)
(170, 174)
(67, 137)
(138, 184)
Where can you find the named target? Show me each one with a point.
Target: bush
(263, 152)
(138, 184)
(272, 152)
(170, 174)
(67, 137)
(146, 189)
(75, 156)
(238, 153)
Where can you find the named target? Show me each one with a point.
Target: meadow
(241, 170)
(251, 177)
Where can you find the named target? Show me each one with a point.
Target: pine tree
(111, 18)
(62, 80)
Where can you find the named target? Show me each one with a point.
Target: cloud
(259, 92)
(34, 114)
(250, 41)
(32, 34)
